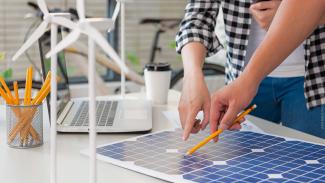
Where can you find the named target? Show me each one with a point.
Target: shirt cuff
(207, 38)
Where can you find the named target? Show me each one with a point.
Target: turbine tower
(85, 26)
(53, 19)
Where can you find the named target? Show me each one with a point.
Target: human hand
(264, 11)
(195, 97)
(227, 102)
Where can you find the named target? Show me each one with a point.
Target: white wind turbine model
(122, 47)
(54, 19)
(85, 26)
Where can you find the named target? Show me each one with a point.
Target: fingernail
(184, 138)
(223, 127)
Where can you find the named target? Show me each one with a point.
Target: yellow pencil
(26, 87)
(46, 82)
(5, 96)
(218, 132)
(30, 83)
(42, 96)
(3, 83)
(16, 93)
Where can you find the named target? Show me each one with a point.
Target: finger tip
(235, 127)
(204, 127)
(223, 127)
(185, 137)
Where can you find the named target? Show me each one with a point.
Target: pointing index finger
(190, 121)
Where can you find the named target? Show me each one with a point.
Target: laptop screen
(62, 74)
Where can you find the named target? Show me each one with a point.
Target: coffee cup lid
(158, 67)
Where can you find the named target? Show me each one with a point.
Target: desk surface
(32, 165)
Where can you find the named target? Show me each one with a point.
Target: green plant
(69, 69)
(2, 56)
(172, 45)
(7, 73)
(133, 58)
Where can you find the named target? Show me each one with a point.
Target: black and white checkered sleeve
(198, 25)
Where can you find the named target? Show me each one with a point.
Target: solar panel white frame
(272, 175)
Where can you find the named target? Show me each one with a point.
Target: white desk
(32, 165)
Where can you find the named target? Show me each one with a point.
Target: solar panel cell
(237, 157)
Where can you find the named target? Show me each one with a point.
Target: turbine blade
(116, 11)
(106, 47)
(67, 41)
(43, 7)
(39, 31)
(64, 22)
(81, 9)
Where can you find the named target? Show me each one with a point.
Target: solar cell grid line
(302, 175)
(280, 165)
(238, 156)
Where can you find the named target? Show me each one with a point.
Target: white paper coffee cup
(157, 79)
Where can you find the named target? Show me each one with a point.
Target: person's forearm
(322, 21)
(293, 22)
(193, 55)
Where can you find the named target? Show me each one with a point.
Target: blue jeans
(282, 100)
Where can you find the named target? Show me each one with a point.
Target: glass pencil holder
(24, 126)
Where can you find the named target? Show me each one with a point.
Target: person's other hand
(264, 11)
(227, 102)
(195, 97)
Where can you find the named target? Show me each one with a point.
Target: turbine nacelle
(87, 27)
(48, 18)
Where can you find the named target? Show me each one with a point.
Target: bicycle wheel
(214, 77)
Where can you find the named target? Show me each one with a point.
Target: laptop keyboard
(105, 114)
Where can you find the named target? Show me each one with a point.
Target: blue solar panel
(237, 157)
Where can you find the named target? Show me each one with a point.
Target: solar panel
(239, 156)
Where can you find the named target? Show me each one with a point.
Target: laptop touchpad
(134, 114)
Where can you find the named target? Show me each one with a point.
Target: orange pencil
(16, 93)
(5, 96)
(218, 132)
(24, 126)
(7, 91)
(46, 82)
(30, 83)
(26, 87)
(42, 96)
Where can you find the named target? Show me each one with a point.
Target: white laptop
(113, 116)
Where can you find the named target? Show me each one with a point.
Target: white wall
(13, 28)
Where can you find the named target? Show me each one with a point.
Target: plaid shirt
(199, 25)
